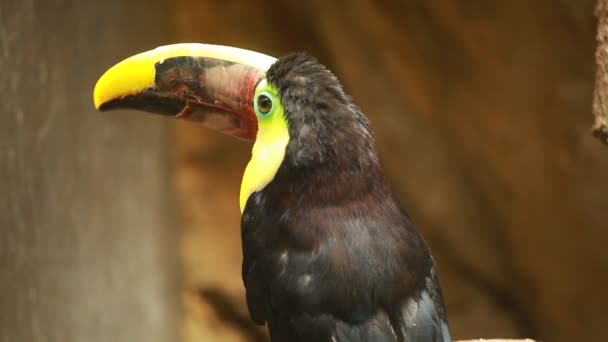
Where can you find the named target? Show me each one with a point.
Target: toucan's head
(293, 108)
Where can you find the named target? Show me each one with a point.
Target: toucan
(328, 252)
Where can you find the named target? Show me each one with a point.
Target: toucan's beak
(210, 84)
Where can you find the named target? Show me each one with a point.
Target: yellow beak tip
(97, 99)
(128, 77)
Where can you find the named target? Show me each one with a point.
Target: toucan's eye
(264, 104)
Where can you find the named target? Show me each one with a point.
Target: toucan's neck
(339, 179)
(346, 170)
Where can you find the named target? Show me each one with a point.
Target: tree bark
(86, 253)
(600, 99)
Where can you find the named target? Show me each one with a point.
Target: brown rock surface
(482, 111)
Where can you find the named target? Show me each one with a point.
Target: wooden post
(86, 253)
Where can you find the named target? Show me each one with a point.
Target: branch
(228, 312)
(497, 340)
(600, 96)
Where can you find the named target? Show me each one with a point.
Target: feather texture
(328, 253)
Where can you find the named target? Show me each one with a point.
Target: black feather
(328, 254)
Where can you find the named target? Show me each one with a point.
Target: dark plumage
(328, 254)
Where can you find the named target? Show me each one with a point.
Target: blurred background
(125, 227)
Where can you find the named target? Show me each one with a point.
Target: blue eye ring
(264, 103)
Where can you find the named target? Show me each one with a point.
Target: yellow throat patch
(269, 148)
